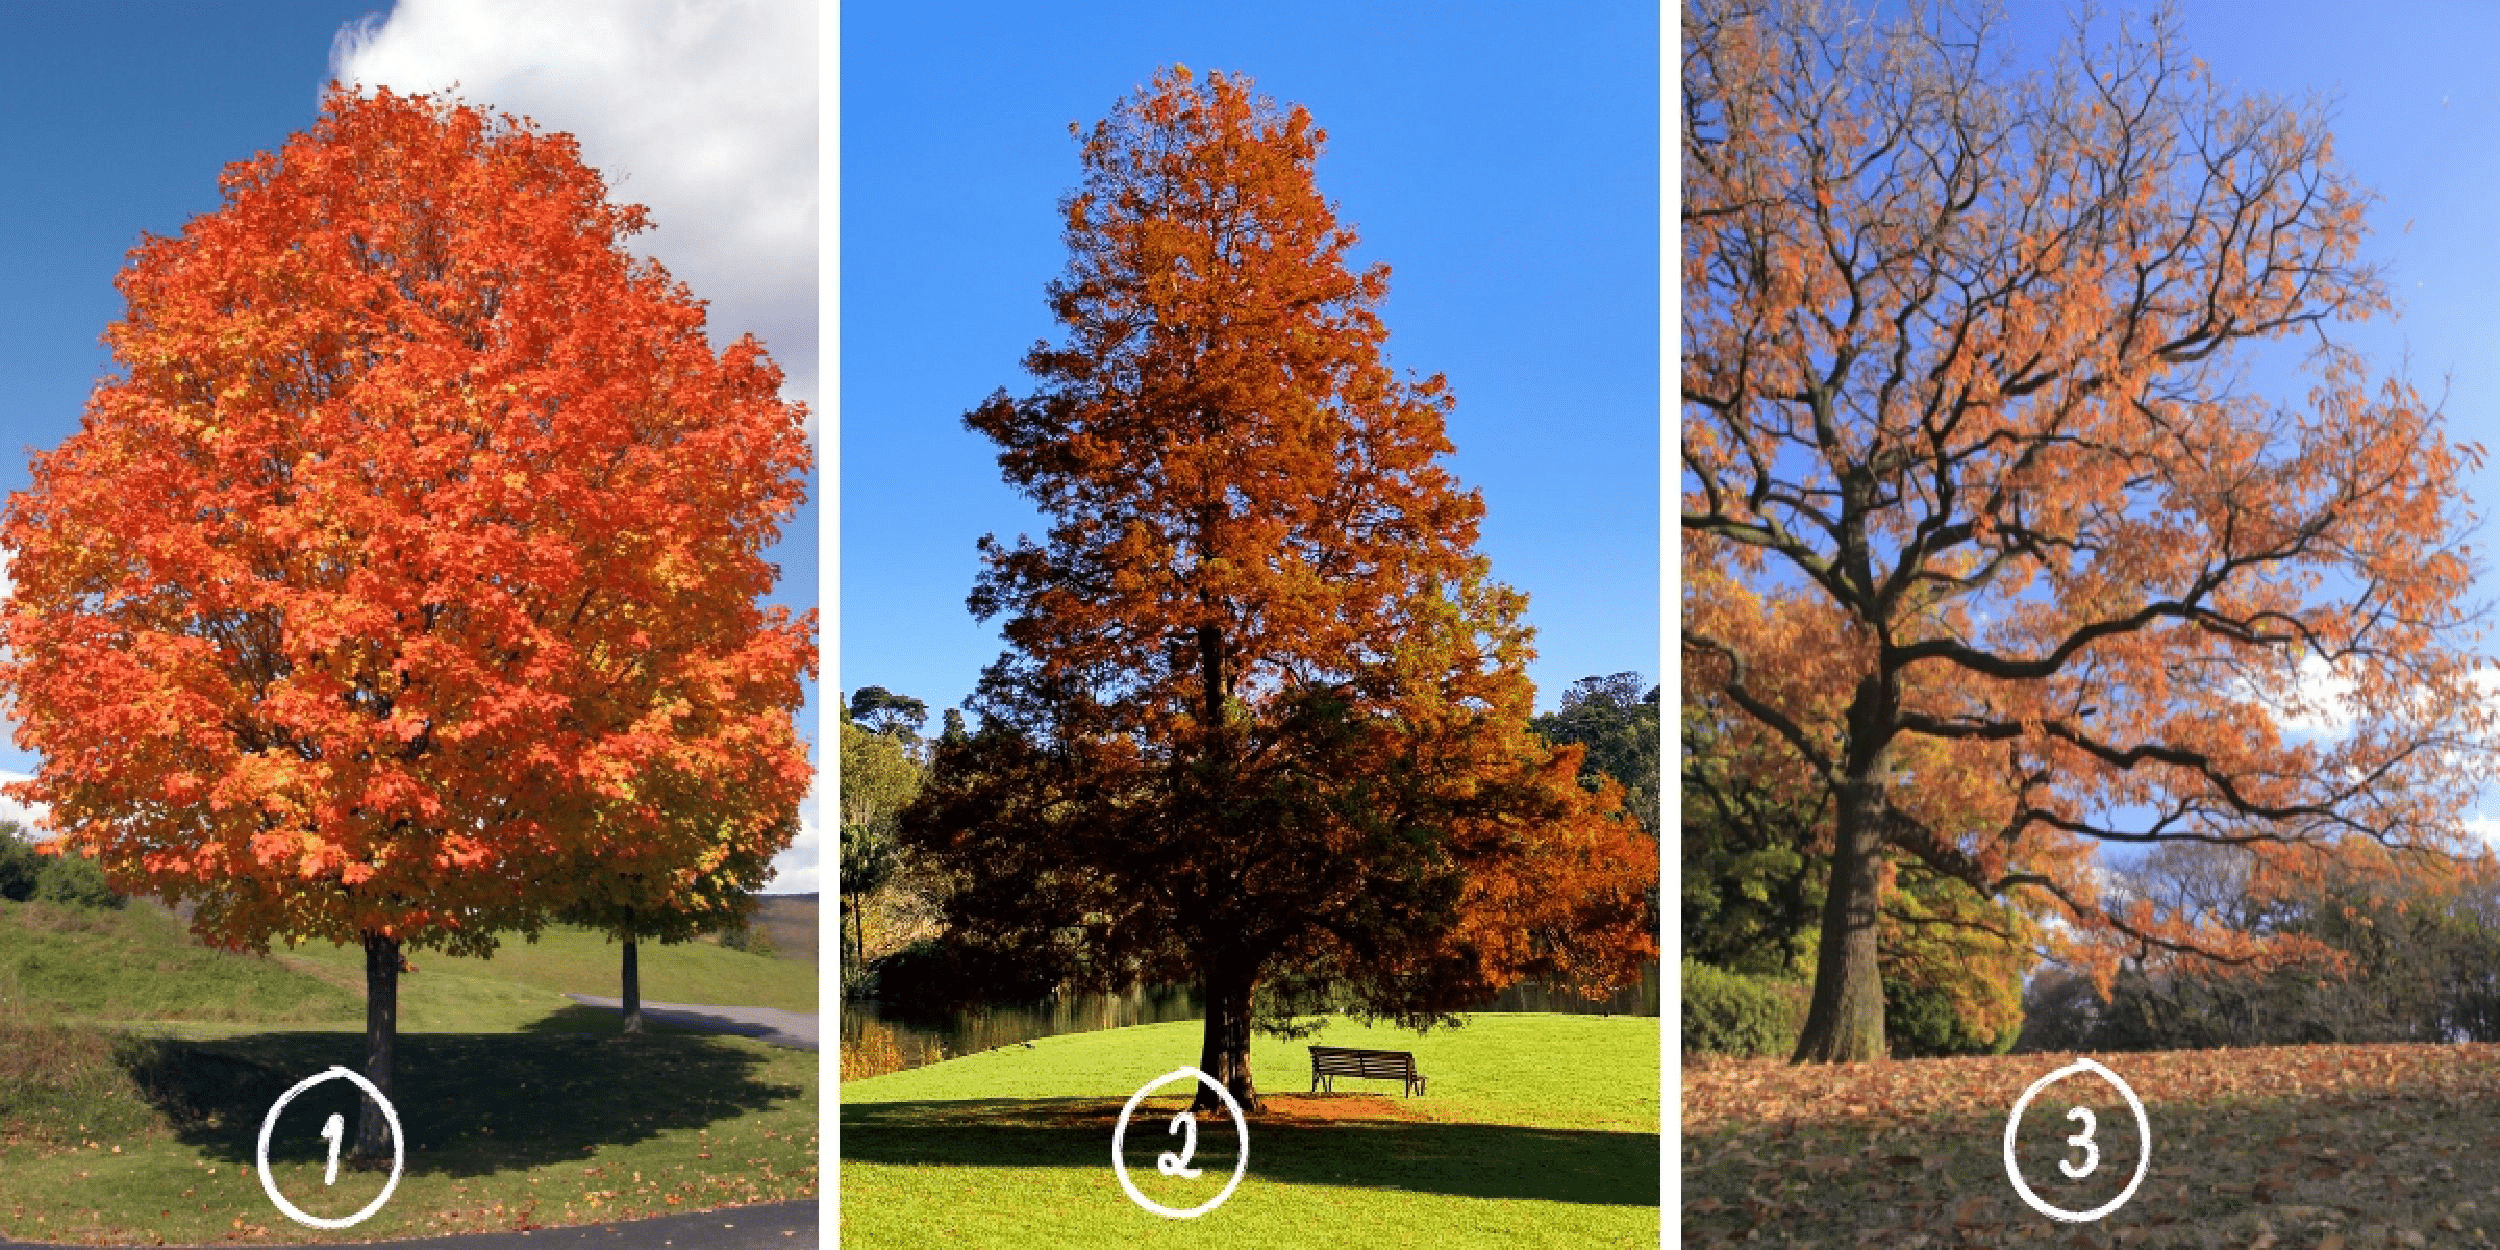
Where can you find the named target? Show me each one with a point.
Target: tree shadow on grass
(469, 1103)
(1498, 1161)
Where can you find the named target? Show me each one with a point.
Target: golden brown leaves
(2296, 1145)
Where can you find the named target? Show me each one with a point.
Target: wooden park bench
(1330, 1062)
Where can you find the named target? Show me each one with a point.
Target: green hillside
(138, 963)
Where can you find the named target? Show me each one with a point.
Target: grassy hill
(136, 1066)
(1537, 1130)
(138, 963)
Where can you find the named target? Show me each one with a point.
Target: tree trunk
(1224, 1048)
(1845, 1021)
(859, 938)
(633, 990)
(373, 1133)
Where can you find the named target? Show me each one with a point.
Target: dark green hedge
(1727, 1013)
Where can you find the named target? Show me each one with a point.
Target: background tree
(1264, 716)
(880, 777)
(1979, 520)
(2402, 962)
(634, 897)
(412, 559)
(20, 865)
(881, 711)
(1616, 727)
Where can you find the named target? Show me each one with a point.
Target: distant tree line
(890, 928)
(27, 874)
(2418, 963)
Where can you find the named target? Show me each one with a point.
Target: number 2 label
(1178, 1165)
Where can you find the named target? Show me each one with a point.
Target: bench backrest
(1387, 1065)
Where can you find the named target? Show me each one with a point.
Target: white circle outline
(269, 1125)
(1119, 1136)
(2143, 1159)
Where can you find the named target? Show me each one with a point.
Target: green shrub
(1922, 1022)
(748, 938)
(19, 864)
(1727, 1013)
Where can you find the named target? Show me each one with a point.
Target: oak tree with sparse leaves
(1263, 720)
(411, 560)
(1991, 541)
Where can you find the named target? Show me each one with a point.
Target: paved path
(765, 1226)
(795, 1029)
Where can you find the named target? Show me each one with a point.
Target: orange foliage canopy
(1981, 527)
(412, 562)
(1265, 710)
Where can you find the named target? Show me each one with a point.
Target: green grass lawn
(136, 1066)
(1538, 1130)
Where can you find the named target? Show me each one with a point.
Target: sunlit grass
(1538, 1130)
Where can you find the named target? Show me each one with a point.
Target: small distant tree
(881, 711)
(412, 559)
(635, 898)
(880, 778)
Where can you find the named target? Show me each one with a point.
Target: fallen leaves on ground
(2290, 1147)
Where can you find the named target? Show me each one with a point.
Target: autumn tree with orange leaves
(1263, 725)
(1985, 537)
(411, 562)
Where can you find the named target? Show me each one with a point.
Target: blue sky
(120, 117)
(1502, 159)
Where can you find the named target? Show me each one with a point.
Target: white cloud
(2486, 828)
(11, 809)
(795, 870)
(2319, 701)
(703, 112)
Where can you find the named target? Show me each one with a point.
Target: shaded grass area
(1540, 1130)
(126, 1137)
(2347, 1146)
(138, 963)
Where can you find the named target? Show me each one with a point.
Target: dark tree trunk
(1845, 1021)
(1224, 1047)
(373, 1133)
(859, 938)
(633, 989)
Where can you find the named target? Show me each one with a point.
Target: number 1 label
(334, 1129)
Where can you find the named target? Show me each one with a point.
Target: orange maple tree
(1985, 535)
(412, 560)
(1264, 719)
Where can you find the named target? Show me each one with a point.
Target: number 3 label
(2091, 1150)
(2091, 1153)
